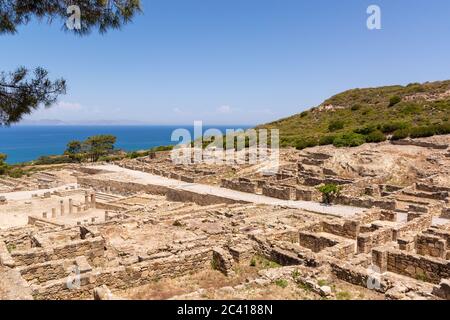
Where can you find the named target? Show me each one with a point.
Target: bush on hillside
(49, 160)
(349, 140)
(443, 128)
(390, 127)
(365, 130)
(336, 125)
(303, 143)
(326, 140)
(304, 114)
(375, 137)
(394, 100)
(400, 134)
(422, 132)
(3, 164)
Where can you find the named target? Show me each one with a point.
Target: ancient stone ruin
(151, 229)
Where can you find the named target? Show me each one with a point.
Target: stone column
(93, 200)
(53, 212)
(70, 206)
(44, 215)
(379, 259)
(62, 207)
(106, 215)
(86, 199)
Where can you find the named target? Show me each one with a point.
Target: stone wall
(5, 257)
(417, 225)
(284, 193)
(418, 267)
(348, 228)
(429, 245)
(285, 256)
(387, 204)
(239, 185)
(222, 260)
(121, 187)
(355, 275)
(315, 242)
(312, 181)
(304, 194)
(119, 278)
(442, 195)
(177, 195)
(93, 249)
(366, 242)
(343, 250)
(43, 272)
(424, 144)
(388, 215)
(431, 187)
(446, 213)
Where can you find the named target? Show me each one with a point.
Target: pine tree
(22, 91)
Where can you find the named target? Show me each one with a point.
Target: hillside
(358, 116)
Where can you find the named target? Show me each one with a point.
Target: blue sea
(25, 143)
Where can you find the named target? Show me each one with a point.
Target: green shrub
(281, 283)
(326, 140)
(400, 134)
(343, 295)
(48, 160)
(329, 192)
(355, 107)
(304, 114)
(375, 136)
(443, 128)
(390, 127)
(303, 143)
(336, 125)
(422, 132)
(16, 173)
(411, 108)
(365, 130)
(349, 140)
(162, 148)
(394, 100)
(3, 164)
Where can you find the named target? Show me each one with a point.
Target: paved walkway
(25, 195)
(147, 178)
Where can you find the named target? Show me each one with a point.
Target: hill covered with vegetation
(369, 115)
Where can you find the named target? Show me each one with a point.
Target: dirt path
(146, 178)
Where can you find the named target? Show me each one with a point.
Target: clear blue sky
(234, 61)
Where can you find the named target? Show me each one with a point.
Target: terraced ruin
(150, 229)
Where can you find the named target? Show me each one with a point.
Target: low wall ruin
(239, 185)
(430, 245)
(284, 193)
(418, 267)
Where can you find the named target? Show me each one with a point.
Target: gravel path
(143, 177)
